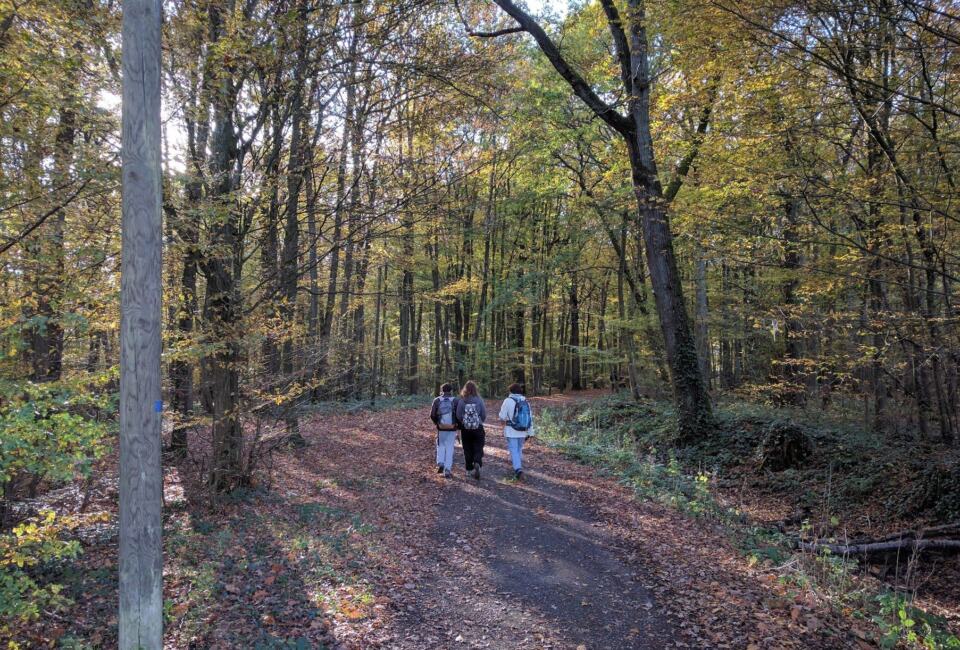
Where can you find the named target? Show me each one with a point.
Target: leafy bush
(937, 490)
(899, 620)
(51, 432)
(31, 545)
(783, 447)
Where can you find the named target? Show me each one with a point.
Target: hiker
(471, 415)
(443, 412)
(518, 425)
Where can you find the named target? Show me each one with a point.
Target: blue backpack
(522, 420)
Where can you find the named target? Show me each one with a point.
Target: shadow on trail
(256, 568)
(535, 561)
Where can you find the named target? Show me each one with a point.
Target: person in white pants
(443, 412)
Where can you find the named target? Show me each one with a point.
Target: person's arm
(483, 411)
(506, 410)
(434, 415)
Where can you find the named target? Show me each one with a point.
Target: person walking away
(518, 426)
(443, 412)
(471, 414)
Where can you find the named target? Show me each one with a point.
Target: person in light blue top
(518, 425)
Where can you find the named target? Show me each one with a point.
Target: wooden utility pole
(141, 593)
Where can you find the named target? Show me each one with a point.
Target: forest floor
(355, 542)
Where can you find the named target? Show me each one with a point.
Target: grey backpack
(471, 417)
(445, 410)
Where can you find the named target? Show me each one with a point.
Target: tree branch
(581, 88)
(23, 234)
(683, 167)
(909, 545)
(620, 42)
(499, 32)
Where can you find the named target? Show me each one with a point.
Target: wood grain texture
(141, 597)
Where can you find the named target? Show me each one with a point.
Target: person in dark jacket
(471, 414)
(443, 412)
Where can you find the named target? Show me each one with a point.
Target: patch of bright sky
(175, 137)
(558, 8)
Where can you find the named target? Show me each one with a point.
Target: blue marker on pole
(158, 406)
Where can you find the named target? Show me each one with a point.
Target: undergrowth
(390, 403)
(632, 441)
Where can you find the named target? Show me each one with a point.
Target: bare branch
(499, 32)
(23, 234)
(683, 167)
(620, 42)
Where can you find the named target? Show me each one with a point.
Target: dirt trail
(354, 542)
(571, 559)
(525, 564)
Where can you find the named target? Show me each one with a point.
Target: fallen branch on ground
(922, 533)
(905, 544)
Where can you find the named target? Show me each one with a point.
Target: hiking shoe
(447, 474)
(518, 474)
(439, 468)
(476, 472)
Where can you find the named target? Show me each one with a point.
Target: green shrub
(30, 545)
(899, 621)
(49, 433)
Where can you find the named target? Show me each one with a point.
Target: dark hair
(516, 389)
(470, 389)
(446, 388)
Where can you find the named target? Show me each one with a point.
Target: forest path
(566, 559)
(526, 564)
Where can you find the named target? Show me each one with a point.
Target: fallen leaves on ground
(330, 547)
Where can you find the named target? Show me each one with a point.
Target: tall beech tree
(631, 45)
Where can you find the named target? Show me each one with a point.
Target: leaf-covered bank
(846, 484)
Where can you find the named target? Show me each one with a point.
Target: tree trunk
(290, 256)
(573, 343)
(221, 266)
(690, 395)
(47, 336)
(702, 321)
(326, 327)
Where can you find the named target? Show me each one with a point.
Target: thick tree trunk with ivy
(222, 265)
(694, 413)
(693, 403)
